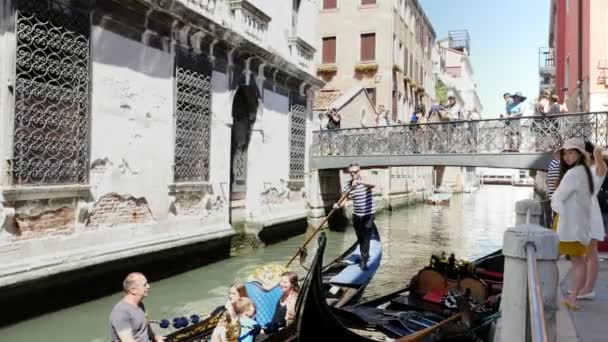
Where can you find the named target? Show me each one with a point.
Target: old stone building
(135, 126)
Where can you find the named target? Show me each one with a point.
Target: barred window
(192, 117)
(297, 142)
(50, 141)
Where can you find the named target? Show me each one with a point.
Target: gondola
(344, 284)
(398, 314)
(343, 280)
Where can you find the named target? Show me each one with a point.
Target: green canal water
(471, 226)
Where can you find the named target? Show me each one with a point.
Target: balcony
(209, 8)
(327, 68)
(547, 85)
(546, 62)
(301, 51)
(250, 20)
(366, 66)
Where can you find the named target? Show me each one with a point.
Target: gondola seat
(353, 275)
(265, 301)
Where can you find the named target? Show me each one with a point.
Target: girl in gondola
(237, 290)
(572, 203)
(285, 311)
(221, 333)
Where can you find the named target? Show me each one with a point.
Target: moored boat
(439, 199)
(403, 313)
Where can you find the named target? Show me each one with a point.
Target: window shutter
(329, 4)
(329, 50)
(368, 46)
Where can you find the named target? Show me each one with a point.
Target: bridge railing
(531, 134)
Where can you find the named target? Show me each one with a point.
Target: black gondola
(394, 315)
(343, 279)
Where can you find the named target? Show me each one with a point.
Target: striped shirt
(552, 177)
(363, 201)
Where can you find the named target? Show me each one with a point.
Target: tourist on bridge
(473, 129)
(128, 321)
(572, 203)
(363, 210)
(515, 109)
(382, 116)
(454, 110)
(333, 123)
(334, 119)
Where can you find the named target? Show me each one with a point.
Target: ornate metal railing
(525, 135)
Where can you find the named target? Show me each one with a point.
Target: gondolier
(363, 210)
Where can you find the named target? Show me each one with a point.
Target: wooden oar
(421, 334)
(342, 199)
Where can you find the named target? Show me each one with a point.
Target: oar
(342, 199)
(419, 335)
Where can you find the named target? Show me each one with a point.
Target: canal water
(471, 226)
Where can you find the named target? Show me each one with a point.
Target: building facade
(579, 38)
(383, 46)
(135, 126)
(454, 69)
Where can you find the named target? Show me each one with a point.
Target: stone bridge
(524, 143)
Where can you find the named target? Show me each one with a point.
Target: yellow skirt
(572, 248)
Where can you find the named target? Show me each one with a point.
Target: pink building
(580, 67)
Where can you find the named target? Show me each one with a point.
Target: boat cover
(265, 301)
(352, 275)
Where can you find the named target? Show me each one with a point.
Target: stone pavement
(591, 323)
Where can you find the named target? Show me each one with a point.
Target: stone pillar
(514, 306)
(527, 211)
(324, 191)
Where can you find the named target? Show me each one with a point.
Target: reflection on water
(471, 226)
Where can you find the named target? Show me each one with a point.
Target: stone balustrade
(250, 20)
(209, 8)
(301, 52)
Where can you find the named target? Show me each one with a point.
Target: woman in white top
(598, 171)
(572, 202)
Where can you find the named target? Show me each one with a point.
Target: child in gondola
(227, 329)
(245, 310)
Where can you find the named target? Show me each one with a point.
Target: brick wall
(45, 223)
(114, 209)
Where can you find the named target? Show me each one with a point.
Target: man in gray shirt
(128, 321)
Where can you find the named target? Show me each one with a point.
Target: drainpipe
(580, 56)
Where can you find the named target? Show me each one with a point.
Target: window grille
(297, 142)
(192, 117)
(50, 141)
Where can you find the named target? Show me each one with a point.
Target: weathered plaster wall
(221, 105)
(132, 120)
(268, 160)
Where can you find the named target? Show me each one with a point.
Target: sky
(505, 38)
